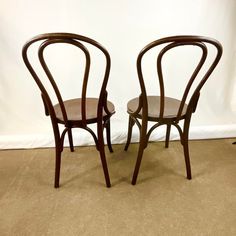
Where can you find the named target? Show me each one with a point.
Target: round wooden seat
(170, 111)
(73, 110)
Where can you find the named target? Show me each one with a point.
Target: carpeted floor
(163, 202)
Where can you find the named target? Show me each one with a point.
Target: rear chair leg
(101, 150)
(130, 127)
(108, 133)
(168, 127)
(70, 140)
(105, 169)
(57, 167)
(142, 145)
(187, 160)
(138, 162)
(186, 147)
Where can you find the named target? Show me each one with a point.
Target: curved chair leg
(168, 127)
(57, 166)
(102, 154)
(142, 146)
(130, 127)
(70, 140)
(108, 133)
(104, 166)
(186, 148)
(58, 150)
(138, 163)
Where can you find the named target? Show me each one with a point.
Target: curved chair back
(170, 43)
(77, 41)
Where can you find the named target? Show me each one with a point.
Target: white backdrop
(124, 28)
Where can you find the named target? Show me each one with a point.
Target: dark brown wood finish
(78, 112)
(165, 110)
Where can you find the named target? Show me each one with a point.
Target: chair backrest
(170, 43)
(77, 41)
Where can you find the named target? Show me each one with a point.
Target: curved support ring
(180, 132)
(93, 135)
(62, 138)
(151, 130)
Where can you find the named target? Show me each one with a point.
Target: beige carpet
(163, 202)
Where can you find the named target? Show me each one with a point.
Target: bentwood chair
(163, 110)
(80, 111)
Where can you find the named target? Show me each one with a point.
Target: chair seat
(73, 109)
(170, 112)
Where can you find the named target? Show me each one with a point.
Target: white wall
(124, 28)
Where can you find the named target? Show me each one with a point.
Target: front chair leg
(57, 166)
(70, 140)
(186, 148)
(138, 163)
(108, 133)
(168, 127)
(104, 165)
(187, 160)
(101, 150)
(142, 146)
(130, 127)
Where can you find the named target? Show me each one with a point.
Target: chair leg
(142, 146)
(130, 127)
(186, 148)
(57, 166)
(187, 160)
(168, 127)
(70, 137)
(108, 133)
(101, 149)
(138, 163)
(104, 165)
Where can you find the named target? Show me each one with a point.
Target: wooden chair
(165, 110)
(78, 112)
